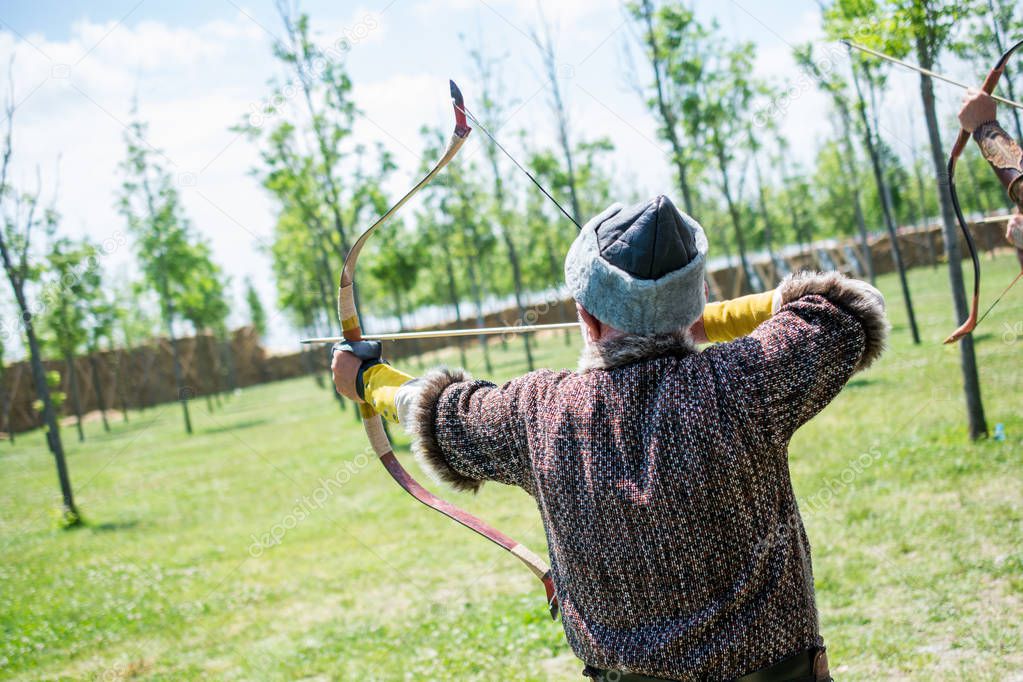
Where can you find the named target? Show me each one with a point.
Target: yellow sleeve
(728, 320)
(380, 383)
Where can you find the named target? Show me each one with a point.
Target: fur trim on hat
(625, 350)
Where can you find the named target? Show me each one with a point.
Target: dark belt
(806, 666)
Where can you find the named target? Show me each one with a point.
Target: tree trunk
(667, 116)
(967, 357)
(854, 181)
(733, 212)
(122, 395)
(791, 205)
(5, 407)
(765, 215)
(227, 357)
(97, 388)
(477, 296)
(886, 209)
(148, 359)
(999, 34)
(560, 115)
(556, 274)
(513, 256)
(53, 441)
(213, 367)
(76, 403)
(453, 294)
(475, 284)
(184, 392)
(932, 252)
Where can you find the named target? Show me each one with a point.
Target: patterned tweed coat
(662, 478)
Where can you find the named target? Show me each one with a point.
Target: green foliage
(57, 397)
(324, 194)
(257, 313)
(918, 545)
(72, 297)
(174, 260)
(201, 297)
(132, 324)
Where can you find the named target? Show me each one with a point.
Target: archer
(660, 472)
(977, 116)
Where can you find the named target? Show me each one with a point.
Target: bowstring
(1004, 292)
(536, 182)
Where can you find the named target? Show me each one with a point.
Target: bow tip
(956, 335)
(456, 94)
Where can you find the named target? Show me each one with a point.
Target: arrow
(926, 72)
(445, 333)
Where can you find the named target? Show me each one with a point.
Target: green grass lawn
(917, 535)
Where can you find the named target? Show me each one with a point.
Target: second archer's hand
(1014, 231)
(978, 108)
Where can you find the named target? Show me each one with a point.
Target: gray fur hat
(640, 269)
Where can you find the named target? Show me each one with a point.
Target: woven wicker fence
(144, 376)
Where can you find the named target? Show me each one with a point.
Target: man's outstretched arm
(482, 437)
(380, 384)
(978, 116)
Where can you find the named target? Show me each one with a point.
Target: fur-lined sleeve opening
(422, 427)
(858, 298)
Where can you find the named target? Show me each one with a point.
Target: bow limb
(971, 321)
(957, 149)
(352, 331)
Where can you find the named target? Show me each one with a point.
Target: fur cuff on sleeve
(422, 427)
(854, 296)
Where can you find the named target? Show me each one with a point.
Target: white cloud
(192, 84)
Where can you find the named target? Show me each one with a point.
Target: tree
(755, 145)
(493, 111)
(927, 28)
(931, 25)
(465, 240)
(835, 88)
(22, 216)
(727, 97)
(71, 281)
(675, 44)
(150, 203)
(549, 235)
(133, 325)
(99, 322)
(257, 313)
(4, 394)
(869, 127)
(200, 298)
(556, 101)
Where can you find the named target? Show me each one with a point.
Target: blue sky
(199, 67)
